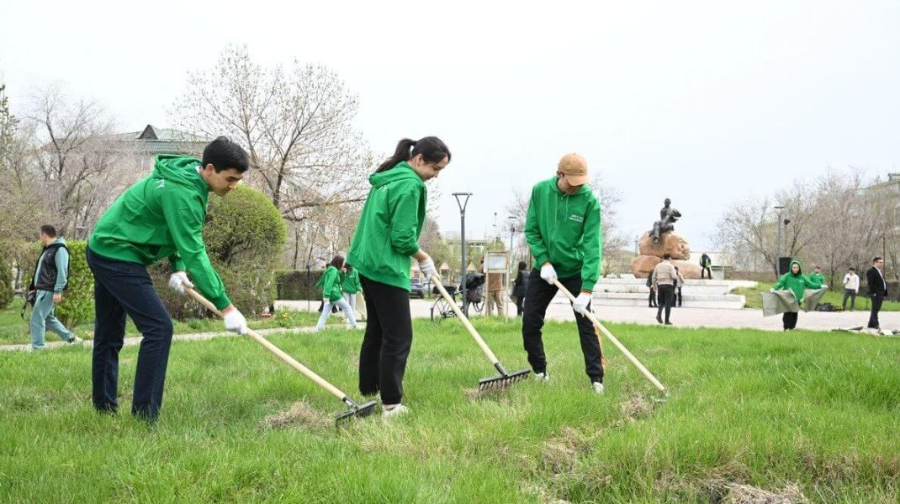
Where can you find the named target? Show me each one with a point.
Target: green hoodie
(796, 283)
(162, 216)
(330, 283)
(565, 230)
(350, 281)
(389, 227)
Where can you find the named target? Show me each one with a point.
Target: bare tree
(295, 123)
(81, 167)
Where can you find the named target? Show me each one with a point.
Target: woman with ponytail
(385, 239)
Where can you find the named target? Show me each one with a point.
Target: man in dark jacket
(50, 279)
(877, 290)
(652, 299)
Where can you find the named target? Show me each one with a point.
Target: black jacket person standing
(877, 290)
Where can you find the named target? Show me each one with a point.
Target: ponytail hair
(432, 149)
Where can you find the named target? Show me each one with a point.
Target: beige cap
(574, 167)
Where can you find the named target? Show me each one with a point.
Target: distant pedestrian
(664, 278)
(332, 295)
(705, 266)
(817, 275)
(652, 299)
(877, 290)
(851, 289)
(350, 286)
(48, 283)
(520, 286)
(797, 283)
(679, 283)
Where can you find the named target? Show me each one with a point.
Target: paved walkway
(684, 317)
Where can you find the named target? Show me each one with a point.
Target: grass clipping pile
(300, 415)
(733, 493)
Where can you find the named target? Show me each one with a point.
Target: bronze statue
(666, 222)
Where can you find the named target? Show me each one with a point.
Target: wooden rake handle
(272, 348)
(615, 341)
(484, 348)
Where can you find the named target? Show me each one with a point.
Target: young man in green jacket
(161, 216)
(563, 231)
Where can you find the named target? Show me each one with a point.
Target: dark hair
(876, 259)
(348, 266)
(817, 267)
(667, 256)
(852, 269)
(432, 149)
(223, 154)
(522, 266)
(48, 230)
(337, 262)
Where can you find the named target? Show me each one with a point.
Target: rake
(494, 383)
(355, 410)
(615, 341)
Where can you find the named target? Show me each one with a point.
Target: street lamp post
(462, 200)
(778, 243)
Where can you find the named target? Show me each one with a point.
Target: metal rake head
(355, 411)
(502, 382)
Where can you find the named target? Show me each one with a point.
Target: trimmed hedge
(6, 287)
(77, 306)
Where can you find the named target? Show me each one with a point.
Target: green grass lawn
(765, 409)
(15, 331)
(754, 298)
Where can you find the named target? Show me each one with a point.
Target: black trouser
(665, 296)
(877, 299)
(849, 293)
(652, 299)
(520, 305)
(704, 272)
(677, 299)
(790, 319)
(537, 298)
(122, 288)
(388, 339)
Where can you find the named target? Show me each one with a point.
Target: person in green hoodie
(330, 283)
(350, 286)
(797, 283)
(817, 276)
(159, 217)
(385, 239)
(562, 229)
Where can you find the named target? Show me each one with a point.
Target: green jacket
(796, 283)
(162, 216)
(350, 281)
(389, 227)
(818, 278)
(330, 283)
(565, 230)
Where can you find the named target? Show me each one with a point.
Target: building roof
(155, 140)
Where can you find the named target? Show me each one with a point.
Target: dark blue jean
(124, 288)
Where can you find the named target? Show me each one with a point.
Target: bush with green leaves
(244, 236)
(77, 306)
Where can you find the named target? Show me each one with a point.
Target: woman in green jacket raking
(795, 282)
(385, 239)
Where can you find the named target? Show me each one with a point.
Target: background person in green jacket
(563, 231)
(350, 286)
(159, 217)
(49, 280)
(385, 239)
(795, 282)
(817, 276)
(332, 295)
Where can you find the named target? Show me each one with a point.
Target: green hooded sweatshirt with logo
(330, 283)
(796, 283)
(160, 217)
(389, 227)
(350, 282)
(565, 230)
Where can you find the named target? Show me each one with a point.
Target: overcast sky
(703, 102)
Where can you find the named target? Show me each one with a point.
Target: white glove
(772, 291)
(427, 268)
(581, 302)
(235, 322)
(548, 273)
(178, 281)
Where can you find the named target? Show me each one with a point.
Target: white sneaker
(542, 377)
(75, 339)
(597, 386)
(395, 411)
